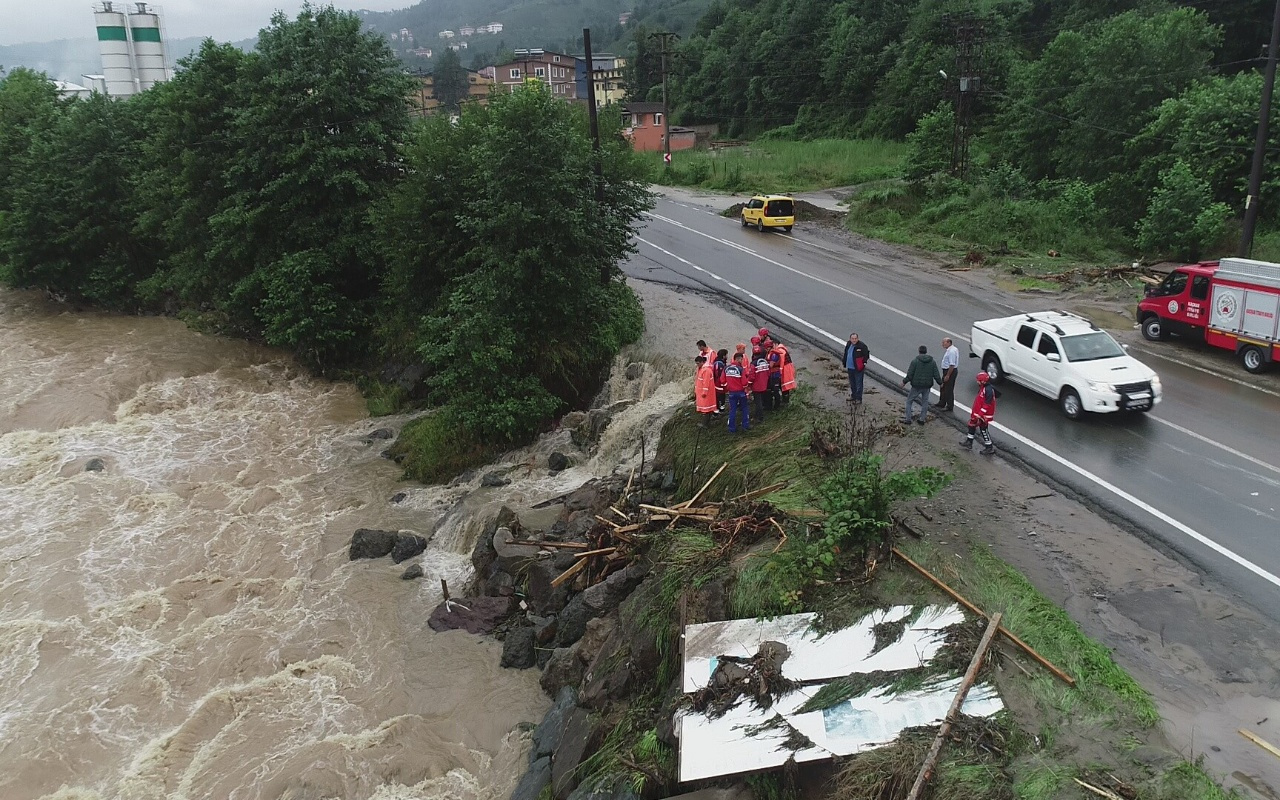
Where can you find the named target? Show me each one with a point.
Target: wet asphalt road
(1201, 473)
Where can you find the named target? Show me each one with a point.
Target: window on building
(657, 119)
(515, 73)
(635, 120)
(556, 59)
(540, 72)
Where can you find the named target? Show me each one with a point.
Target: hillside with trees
(286, 196)
(1135, 119)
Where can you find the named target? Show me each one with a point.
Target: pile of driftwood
(625, 527)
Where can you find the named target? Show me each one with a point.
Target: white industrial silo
(148, 47)
(116, 50)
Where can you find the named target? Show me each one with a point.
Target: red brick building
(643, 124)
(557, 70)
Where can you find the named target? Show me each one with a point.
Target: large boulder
(572, 622)
(581, 739)
(543, 598)
(407, 545)
(598, 632)
(483, 555)
(557, 462)
(563, 670)
(609, 593)
(518, 648)
(370, 543)
(533, 781)
(587, 497)
(512, 556)
(471, 614)
(412, 573)
(609, 674)
(547, 736)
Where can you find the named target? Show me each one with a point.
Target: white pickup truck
(1067, 358)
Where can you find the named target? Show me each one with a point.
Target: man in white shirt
(950, 367)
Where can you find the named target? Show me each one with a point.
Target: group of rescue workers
(724, 383)
(768, 375)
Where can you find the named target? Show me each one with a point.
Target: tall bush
(1182, 219)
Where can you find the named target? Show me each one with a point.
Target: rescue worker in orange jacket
(760, 381)
(704, 389)
(788, 372)
(984, 411)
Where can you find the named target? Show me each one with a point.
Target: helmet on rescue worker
(983, 378)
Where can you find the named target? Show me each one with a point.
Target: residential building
(624, 17)
(422, 52)
(424, 100)
(644, 126)
(607, 69)
(557, 70)
(404, 34)
(466, 30)
(456, 46)
(492, 27)
(446, 34)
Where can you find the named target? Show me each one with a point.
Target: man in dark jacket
(856, 357)
(921, 376)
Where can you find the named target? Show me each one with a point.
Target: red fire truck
(1233, 303)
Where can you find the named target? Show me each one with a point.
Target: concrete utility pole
(665, 37)
(1251, 200)
(968, 45)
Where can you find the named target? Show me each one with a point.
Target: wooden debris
(781, 541)
(444, 589)
(1260, 742)
(689, 503)
(752, 495)
(922, 513)
(615, 510)
(602, 551)
(970, 675)
(558, 545)
(1107, 793)
(1044, 662)
(608, 522)
(567, 575)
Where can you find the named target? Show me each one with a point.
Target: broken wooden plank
(563, 545)
(753, 494)
(970, 675)
(1044, 662)
(567, 575)
(689, 503)
(1107, 793)
(602, 551)
(615, 510)
(608, 522)
(1260, 742)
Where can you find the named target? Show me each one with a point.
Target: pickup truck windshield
(1091, 347)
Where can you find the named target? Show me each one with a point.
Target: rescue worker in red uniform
(788, 372)
(760, 382)
(774, 400)
(737, 379)
(984, 411)
(717, 369)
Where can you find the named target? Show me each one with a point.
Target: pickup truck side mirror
(1125, 346)
(1053, 357)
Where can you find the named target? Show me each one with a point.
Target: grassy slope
(779, 166)
(1041, 738)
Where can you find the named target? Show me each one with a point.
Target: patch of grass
(774, 451)
(1101, 684)
(433, 449)
(783, 166)
(1041, 782)
(1036, 283)
(382, 399)
(1188, 781)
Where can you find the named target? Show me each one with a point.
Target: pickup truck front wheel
(1070, 404)
(991, 366)
(1152, 330)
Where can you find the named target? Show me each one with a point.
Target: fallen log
(970, 675)
(1044, 662)
(560, 545)
(1260, 742)
(1107, 793)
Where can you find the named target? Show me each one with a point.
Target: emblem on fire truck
(1227, 306)
(1173, 306)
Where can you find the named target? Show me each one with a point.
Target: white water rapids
(185, 623)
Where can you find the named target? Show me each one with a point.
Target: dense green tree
(507, 267)
(1182, 219)
(325, 112)
(68, 228)
(28, 106)
(930, 144)
(449, 80)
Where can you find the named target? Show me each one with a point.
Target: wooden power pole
(1251, 203)
(665, 37)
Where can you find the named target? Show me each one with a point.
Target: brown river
(185, 622)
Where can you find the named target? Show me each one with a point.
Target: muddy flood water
(184, 622)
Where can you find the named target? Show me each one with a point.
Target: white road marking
(1041, 449)
(955, 336)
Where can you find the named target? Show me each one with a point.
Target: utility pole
(1251, 200)
(665, 37)
(592, 114)
(968, 44)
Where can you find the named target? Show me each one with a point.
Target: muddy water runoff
(185, 623)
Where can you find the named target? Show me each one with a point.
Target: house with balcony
(559, 71)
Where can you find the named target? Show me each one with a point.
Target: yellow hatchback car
(770, 211)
